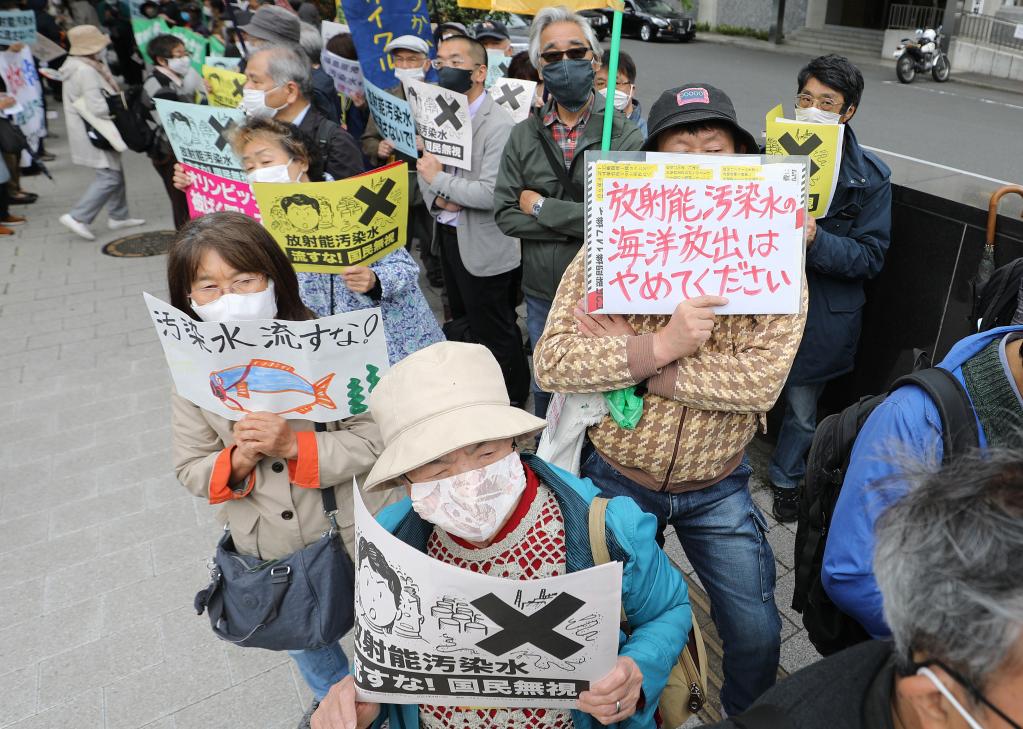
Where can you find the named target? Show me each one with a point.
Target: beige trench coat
(82, 80)
(278, 517)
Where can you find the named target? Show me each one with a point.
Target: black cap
(490, 29)
(694, 103)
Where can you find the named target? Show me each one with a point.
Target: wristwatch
(535, 211)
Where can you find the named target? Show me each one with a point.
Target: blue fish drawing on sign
(265, 385)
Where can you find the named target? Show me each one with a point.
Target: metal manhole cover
(150, 243)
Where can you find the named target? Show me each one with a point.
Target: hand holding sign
(267, 434)
(614, 698)
(339, 709)
(689, 327)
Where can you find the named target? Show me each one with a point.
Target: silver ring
(618, 707)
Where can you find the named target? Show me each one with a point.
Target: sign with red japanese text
(211, 193)
(22, 80)
(515, 95)
(431, 633)
(200, 136)
(664, 228)
(324, 227)
(319, 369)
(443, 123)
(822, 143)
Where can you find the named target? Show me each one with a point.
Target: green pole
(612, 79)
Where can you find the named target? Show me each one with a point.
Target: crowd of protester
(922, 550)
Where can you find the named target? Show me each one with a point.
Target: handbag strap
(598, 540)
(327, 495)
(570, 188)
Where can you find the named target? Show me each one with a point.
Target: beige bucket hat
(437, 400)
(86, 40)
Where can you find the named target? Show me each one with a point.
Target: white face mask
(473, 505)
(254, 103)
(273, 173)
(410, 74)
(179, 66)
(814, 115)
(973, 723)
(240, 307)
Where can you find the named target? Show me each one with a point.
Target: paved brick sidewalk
(101, 550)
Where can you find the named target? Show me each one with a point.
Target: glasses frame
(221, 290)
(974, 692)
(575, 53)
(832, 106)
(437, 64)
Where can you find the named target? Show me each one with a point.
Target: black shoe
(786, 504)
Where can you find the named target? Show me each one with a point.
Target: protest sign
(211, 193)
(497, 66)
(663, 228)
(374, 24)
(145, 29)
(515, 95)
(393, 117)
(346, 74)
(442, 120)
(195, 44)
(199, 136)
(223, 62)
(17, 26)
(45, 49)
(225, 87)
(822, 143)
(324, 227)
(431, 633)
(329, 29)
(318, 369)
(217, 48)
(19, 74)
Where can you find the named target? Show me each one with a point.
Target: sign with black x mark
(537, 628)
(375, 201)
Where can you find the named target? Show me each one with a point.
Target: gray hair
(311, 42)
(948, 563)
(287, 63)
(558, 14)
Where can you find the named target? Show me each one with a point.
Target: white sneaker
(80, 229)
(126, 223)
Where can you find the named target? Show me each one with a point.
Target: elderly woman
(449, 434)
(272, 151)
(265, 472)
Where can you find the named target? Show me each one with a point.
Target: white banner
(19, 73)
(347, 74)
(515, 95)
(319, 369)
(427, 632)
(442, 120)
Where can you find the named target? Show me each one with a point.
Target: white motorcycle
(922, 54)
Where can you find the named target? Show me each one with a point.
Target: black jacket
(325, 97)
(341, 156)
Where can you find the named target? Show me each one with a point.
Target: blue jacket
(905, 426)
(848, 249)
(654, 595)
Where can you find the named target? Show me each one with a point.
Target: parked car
(600, 23)
(655, 19)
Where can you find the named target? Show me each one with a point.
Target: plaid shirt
(567, 137)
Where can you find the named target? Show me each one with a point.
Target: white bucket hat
(437, 400)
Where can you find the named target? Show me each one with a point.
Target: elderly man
(278, 84)
(948, 563)
(448, 432)
(410, 56)
(539, 193)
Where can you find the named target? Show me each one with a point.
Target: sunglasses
(574, 54)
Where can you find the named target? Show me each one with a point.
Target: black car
(655, 19)
(600, 23)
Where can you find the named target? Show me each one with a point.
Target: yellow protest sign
(822, 143)
(324, 227)
(225, 87)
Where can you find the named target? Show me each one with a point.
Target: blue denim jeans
(321, 668)
(724, 535)
(537, 311)
(788, 464)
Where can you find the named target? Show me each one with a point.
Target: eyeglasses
(438, 64)
(246, 285)
(575, 54)
(824, 103)
(978, 697)
(601, 84)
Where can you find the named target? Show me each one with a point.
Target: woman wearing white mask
(448, 432)
(265, 471)
(172, 78)
(272, 151)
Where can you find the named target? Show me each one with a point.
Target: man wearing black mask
(478, 261)
(539, 192)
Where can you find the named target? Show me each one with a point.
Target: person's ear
(481, 74)
(923, 698)
(293, 92)
(849, 113)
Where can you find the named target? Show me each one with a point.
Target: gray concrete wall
(969, 57)
(757, 14)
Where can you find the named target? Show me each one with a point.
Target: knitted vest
(997, 407)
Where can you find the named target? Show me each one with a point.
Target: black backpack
(996, 301)
(130, 114)
(829, 629)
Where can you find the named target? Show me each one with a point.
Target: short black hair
(477, 51)
(368, 552)
(287, 202)
(836, 72)
(625, 65)
(343, 45)
(521, 67)
(706, 125)
(162, 46)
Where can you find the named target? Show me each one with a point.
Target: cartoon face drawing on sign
(181, 127)
(302, 211)
(378, 589)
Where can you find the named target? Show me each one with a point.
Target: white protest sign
(347, 74)
(199, 136)
(663, 228)
(319, 369)
(17, 26)
(442, 120)
(515, 95)
(22, 80)
(431, 633)
(497, 66)
(329, 29)
(393, 117)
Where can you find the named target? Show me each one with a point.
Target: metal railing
(988, 30)
(909, 17)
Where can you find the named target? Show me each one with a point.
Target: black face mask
(458, 80)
